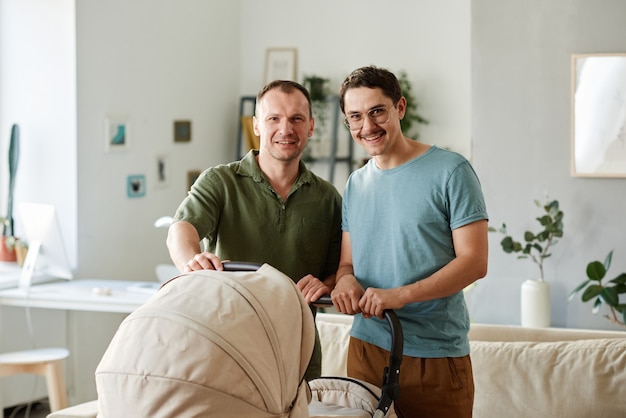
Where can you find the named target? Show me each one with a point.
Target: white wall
(429, 39)
(154, 62)
(521, 147)
(38, 92)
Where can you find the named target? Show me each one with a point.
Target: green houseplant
(319, 91)
(537, 245)
(412, 117)
(599, 292)
(535, 293)
(7, 250)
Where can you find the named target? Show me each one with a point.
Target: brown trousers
(429, 387)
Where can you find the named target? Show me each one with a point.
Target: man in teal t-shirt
(414, 236)
(268, 207)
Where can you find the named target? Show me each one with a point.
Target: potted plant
(318, 90)
(7, 250)
(536, 247)
(412, 116)
(600, 293)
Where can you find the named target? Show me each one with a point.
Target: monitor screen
(46, 258)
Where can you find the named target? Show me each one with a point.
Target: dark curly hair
(372, 77)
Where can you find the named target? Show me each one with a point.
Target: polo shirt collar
(249, 167)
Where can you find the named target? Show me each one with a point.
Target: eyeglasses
(378, 115)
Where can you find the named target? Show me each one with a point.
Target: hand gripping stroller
(391, 374)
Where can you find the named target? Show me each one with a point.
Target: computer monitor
(46, 258)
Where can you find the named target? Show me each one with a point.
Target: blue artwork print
(136, 185)
(119, 137)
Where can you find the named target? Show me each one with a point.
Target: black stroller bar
(391, 376)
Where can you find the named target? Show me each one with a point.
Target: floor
(37, 410)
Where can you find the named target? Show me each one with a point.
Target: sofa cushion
(584, 378)
(334, 330)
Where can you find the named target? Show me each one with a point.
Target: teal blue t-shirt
(400, 223)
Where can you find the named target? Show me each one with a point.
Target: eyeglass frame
(369, 116)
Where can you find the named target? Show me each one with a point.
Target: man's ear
(401, 106)
(312, 127)
(255, 126)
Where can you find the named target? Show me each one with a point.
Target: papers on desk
(149, 288)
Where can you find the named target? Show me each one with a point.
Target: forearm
(344, 270)
(450, 279)
(183, 243)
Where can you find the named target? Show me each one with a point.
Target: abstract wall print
(280, 64)
(162, 170)
(117, 134)
(182, 130)
(136, 185)
(598, 115)
(192, 176)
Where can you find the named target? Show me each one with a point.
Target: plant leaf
(621, 279)
(609, 296)
(577, 289)
(591, 292)
(596, 271)
(596, 306)
(607, 260)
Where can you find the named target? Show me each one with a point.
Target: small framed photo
(280, 64)
(192, 176)
(136, 185)
(162, 170)
(182, 130)
(117, 134)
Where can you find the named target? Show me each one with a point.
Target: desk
(78, 295)
(56, 327)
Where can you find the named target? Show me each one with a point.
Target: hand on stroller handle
(391, 386)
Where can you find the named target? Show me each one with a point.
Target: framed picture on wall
(280, 64)
(136, 185)
(598, 100)
(117, 134)
(192, 176)
(162, 170)
(182, 130)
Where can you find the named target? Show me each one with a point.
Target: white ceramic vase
(535, 304)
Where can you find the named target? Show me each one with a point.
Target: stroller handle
(391, 386)
(240, 266)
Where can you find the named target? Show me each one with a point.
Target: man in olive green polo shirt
(267, 207)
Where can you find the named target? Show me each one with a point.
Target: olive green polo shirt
(236, 209)
(244, 219)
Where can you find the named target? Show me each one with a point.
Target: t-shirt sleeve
(467, 203)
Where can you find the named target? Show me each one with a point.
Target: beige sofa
(518, 372)
(525, 372)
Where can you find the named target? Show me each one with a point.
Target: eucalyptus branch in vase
(536, 246)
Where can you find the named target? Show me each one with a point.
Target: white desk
(63, 296)
(78, 295)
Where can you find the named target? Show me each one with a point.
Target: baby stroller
(238, 356)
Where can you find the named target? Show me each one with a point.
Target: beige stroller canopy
(209, 343)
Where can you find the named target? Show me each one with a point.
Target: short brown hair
(286, 86)
(372, 77)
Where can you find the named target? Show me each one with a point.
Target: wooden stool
(47, 362)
